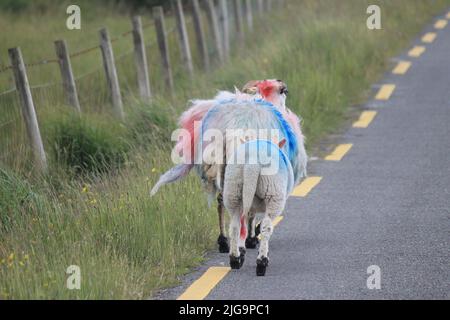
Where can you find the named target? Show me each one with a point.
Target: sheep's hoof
(251, 242)
(261, 265)
(224, 247)
(235, 262)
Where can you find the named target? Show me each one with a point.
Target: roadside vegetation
(93, 208)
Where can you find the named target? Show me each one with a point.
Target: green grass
(127, 244)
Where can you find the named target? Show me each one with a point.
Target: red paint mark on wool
(265, 88)
(243, 228)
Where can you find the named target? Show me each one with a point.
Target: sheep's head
(274, 91)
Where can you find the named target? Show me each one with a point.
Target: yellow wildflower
(153, 170)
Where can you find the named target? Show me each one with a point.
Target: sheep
(262, 94)
(259, 178)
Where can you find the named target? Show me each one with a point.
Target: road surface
(385, 203)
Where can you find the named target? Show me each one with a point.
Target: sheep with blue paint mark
(258, 178)
(266, 100)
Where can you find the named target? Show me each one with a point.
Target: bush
(88, 145)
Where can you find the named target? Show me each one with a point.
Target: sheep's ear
(251, 87)
(282, 143)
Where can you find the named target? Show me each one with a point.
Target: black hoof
(224, 247)
(235, 262)
(238, 262)
(250, 243)
(261, 266)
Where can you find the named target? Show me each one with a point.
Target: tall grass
(127, 244)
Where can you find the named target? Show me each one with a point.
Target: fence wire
(91, 84)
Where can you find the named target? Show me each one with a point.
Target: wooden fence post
(200, 34)
(214, 23)
(28, 111)
(140, 58)
(184, 39)
(158, 16)
(239, 21)
(111, 73)
(69, 86)
(224, 21)
(268, 5)
(249, 14)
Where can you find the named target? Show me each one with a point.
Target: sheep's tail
(251, 175)
(176, 173)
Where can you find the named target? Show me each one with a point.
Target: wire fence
(92, 82)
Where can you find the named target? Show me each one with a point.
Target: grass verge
(128, 245)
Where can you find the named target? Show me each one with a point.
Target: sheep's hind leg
(266, 232)
(236, 254)
(222, 241)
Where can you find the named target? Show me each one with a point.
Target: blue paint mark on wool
(288, 133)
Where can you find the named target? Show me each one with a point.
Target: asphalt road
(386, 203)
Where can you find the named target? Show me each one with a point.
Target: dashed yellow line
(417, 51)
(440, 24)
(365, 119)
(277, 220)
(339, 152)
(385, 92)
(402, 67)
(429, 37)
(203, 285)
(306, 186)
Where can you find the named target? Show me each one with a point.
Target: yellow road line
(416, 51)
(402, 67)
(429, 37)
(203, 285)
(385, 92)
(306, 186)
(440, 24)
(339, 152)
(277, 220)
(365, 119)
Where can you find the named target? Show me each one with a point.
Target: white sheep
(260, 183)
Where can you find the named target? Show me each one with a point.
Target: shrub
(87, 145)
